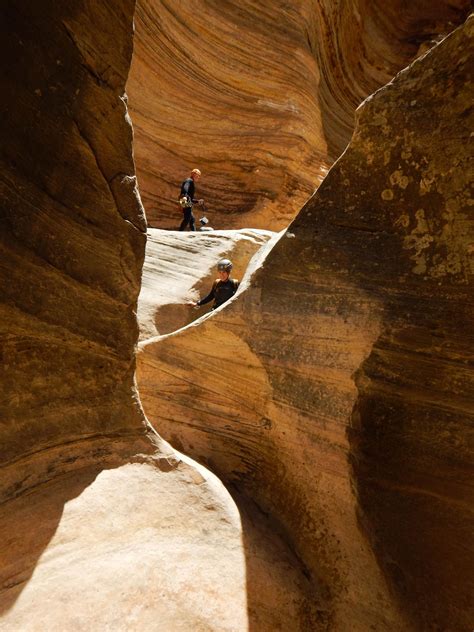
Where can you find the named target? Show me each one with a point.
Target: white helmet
(224, 265)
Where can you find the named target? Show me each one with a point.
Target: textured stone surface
(72, 233)
(88, 519)
(261, 95)
(337, 389)
(180, 267)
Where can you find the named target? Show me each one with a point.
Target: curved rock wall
(261, 96)
(336, 390)
(105, 535)
(72, 231)
(276, 415)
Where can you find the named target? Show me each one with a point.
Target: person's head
(195, 174)
(224, 267)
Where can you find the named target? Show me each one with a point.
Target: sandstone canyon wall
(350, 344)
(72, 232)
(101, 525)
(336, 390)
(261, 95)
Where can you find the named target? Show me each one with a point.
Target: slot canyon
(301, 457)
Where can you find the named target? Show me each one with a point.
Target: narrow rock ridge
(336, 389)
(180, 267)
(261, 96)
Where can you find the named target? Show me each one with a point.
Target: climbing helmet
(224, 265)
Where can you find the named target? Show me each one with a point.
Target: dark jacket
(221, 292)
(187, 189)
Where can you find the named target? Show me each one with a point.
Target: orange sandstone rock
(260, 95)
(336, 390)
(101, 525)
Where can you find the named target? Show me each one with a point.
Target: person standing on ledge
(186, 199)
(222, 289)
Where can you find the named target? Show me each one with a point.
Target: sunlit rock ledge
(180, 267)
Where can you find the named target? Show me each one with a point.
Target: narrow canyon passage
(332, 396)
(279, 593)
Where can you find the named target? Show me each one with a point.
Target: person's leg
(191, 220)
(186, 218)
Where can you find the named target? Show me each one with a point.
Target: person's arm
(185, 191)
(210, 296)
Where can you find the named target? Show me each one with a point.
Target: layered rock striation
(261, 96)
(337, 389)
(334, 392)
(72, 233)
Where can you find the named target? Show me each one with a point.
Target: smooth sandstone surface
(180, 267)
(261, 95)
(336, 390)
(145, 546)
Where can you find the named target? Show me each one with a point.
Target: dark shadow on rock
(37, 489)
(280, 589)
(412, 472)
(171, 317)
(27, 525)
(281, 592)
